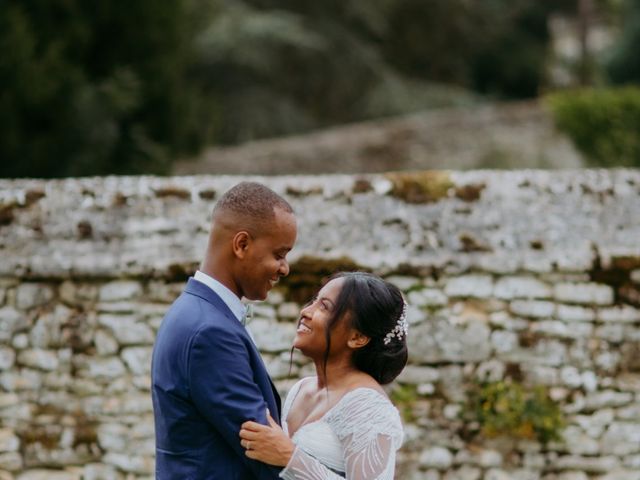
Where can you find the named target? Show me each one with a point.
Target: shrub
(604, 124)
(508, 408)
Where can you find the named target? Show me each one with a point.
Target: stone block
(624, 314)
(120, 290)
(507, 322)
(532, 308)
(20, 341)
(41, 474)
(436, 457)
(578, 442)
(7, 358)
(100, 471)
(540, 375)
(418, 374)
(113, 437)
(504, 341)
(620, 474)
(266, 311)
(11, 322)
(509, 288)
(584, 293)
(552, 328)
(491, 371)
(138, 359)
(570, 476)
(127, 330)
(77, 294)
(474, 286)
(607, 398)
(39, 359)
(9, 442)
(614, 333)
(105, 368)
(404, 283)
(105, 343)
(23, 379)
(130, 463)
(279, 367)
(30, 295)
(621, 438)
(272, 337)
(440, 341)
(288, 310)
(632, 462)
(512, 474)
(600, 464)
(463, 473)
(428, 297)
(11, 461)
(572, 313)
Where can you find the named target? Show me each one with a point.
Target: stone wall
(532, 276)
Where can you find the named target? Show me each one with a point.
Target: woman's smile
(303, 328)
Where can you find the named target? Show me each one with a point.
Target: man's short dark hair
(252, 202)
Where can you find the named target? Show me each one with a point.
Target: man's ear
(357, 340)
(240, 244)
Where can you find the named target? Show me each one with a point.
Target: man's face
(266, 259)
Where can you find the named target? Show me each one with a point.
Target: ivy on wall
(512, 409)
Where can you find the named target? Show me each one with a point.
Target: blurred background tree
(121, 87)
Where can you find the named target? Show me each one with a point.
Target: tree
(624, 65)
(94, 87)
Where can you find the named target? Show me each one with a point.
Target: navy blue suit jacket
(207, 379)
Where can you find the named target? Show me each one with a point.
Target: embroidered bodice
(356, 439)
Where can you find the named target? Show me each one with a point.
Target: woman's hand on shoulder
(266, 443)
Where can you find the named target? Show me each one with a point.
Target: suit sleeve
(223, 389)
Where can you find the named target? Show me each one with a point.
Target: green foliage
(508, 408)
(404, 397)
(114, 87)
(624, 64)
(498, 47)
(94, 87)
(604, 124)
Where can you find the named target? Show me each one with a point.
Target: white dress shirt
(228, 297)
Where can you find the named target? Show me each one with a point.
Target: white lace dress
(356, 439)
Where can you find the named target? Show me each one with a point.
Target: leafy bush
(603, 123)
(508, 408)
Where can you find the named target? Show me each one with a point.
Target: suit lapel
(199, 289)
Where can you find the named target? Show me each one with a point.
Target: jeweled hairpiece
(401, 329)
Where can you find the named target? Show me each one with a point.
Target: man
(207, 375)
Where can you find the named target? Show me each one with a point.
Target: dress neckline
(297, 387)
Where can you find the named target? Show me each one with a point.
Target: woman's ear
(357, 340)
(240, 243)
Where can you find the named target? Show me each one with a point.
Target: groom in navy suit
(207, 374)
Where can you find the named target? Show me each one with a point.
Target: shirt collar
(231, 299)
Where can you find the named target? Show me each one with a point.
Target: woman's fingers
(271, 421)
(249, 434)
(252, 425)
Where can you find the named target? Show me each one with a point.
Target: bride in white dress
(340, 423)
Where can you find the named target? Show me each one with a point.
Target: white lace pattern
(356, 439)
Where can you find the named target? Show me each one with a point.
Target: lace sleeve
(370, 432)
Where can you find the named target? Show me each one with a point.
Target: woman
(340, 423)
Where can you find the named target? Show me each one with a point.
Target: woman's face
(310, 336)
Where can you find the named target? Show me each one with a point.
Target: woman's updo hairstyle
(373, 307)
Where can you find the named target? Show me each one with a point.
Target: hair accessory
(402, 327)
